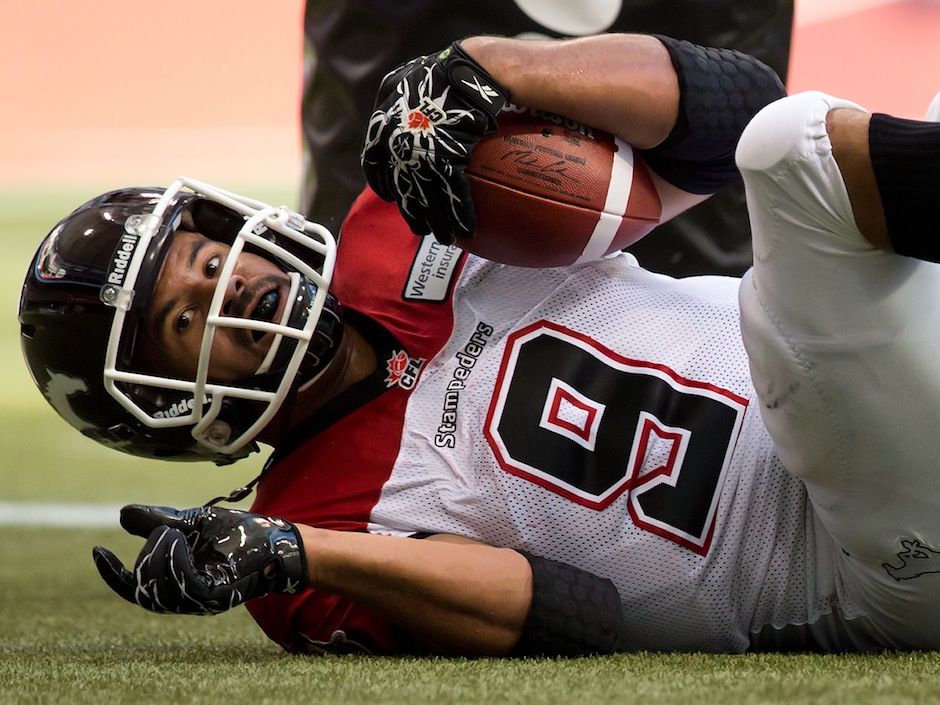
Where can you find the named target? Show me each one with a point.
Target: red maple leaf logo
(418, 120)
(397, 365)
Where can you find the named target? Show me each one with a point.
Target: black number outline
(648, 425)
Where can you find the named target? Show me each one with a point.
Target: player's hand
(429, 114)
(204, 560)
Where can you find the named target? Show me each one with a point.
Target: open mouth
(265, 310)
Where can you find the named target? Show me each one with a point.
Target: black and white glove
(429, 115)
(204, 560)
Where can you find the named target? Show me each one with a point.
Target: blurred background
(105, 94)
(108, 93)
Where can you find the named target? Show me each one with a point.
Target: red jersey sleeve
(316, 622)
(335, 477)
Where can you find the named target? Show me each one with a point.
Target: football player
(479, 459)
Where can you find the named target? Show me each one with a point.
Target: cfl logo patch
(426, 115)
(403, 370)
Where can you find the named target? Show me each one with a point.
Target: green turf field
(64, 638)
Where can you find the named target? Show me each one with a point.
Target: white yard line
(59, 514)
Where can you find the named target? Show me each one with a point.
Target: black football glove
(204, 560)
(429, 115)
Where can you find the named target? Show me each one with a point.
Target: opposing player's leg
(891, 166)
(842, 339)
(848, 134)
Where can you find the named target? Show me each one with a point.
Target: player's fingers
(163, 571)
(142, 519)
(462, 214)
(417, 224)
(441, 227)
(227, 596)
(374, 159)
(199, 592)
(381, 182)
(451, 215)
(113, 572)
(391, 80)
(469, 222)
(182, 580)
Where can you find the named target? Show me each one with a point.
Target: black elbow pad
(720, 90)
(573, 612)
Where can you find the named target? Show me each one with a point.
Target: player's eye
(183, 321)
(212, 266)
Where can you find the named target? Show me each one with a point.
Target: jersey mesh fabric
(760, 567)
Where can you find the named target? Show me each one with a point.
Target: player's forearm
(459, 598)
(624, 84)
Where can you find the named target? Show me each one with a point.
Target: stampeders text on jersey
(466, 360)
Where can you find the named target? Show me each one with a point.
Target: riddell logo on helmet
(183, 406)
(122, 258)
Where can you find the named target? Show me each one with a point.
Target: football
(549, 192)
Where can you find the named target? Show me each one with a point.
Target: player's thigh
(842, 340)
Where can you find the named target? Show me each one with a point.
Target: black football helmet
(83, 304)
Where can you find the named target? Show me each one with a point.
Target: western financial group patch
(432, 271)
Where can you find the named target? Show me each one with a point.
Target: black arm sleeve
(720, 90)
(573, 612)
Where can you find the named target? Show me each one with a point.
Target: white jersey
(603, 416)
(599, 415)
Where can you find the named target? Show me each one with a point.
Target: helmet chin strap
(326, 340)
(323, 346)
(239, 493)
(309, 372)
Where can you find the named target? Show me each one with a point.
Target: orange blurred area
(108, 92)
(112, 92)
(882, 55)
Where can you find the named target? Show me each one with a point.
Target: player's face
(258, 289)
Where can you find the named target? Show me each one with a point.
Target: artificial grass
(64, 638)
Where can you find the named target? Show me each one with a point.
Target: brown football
(549, 192)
